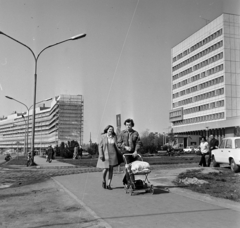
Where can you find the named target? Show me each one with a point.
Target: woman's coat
(103, 152)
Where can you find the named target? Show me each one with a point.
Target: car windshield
(222, 144)
(237, 143)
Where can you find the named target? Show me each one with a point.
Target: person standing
(75, 152)
(213, 144)
(108, 155)
(204, 148)
(129, 142)
(49, 153)
(80, 151)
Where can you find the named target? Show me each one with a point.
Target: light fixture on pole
(35, 78)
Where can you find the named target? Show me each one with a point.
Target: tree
(151, 141)
(66, 150)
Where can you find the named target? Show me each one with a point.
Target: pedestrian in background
(204, 148)
(213, 144)
(80, 151)
(50, 154)
(75, 152)
(108, 155)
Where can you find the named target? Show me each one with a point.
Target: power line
(114, 75)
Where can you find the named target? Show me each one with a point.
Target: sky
(122, 66)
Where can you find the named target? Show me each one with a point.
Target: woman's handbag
(119, 156)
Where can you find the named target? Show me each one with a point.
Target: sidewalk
(41, 163)
(174, 209)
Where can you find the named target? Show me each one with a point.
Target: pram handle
(128, 154)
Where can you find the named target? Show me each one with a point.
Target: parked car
(86, 155)
(228, 153)
(178, 147)
(189, 149)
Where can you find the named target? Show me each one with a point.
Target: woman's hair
(129, 121)
(106, 129)
(204, 138)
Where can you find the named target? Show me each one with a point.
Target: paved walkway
(118, 209)
(41, 162)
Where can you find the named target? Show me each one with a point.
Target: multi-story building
(206, 81)
(61, 122)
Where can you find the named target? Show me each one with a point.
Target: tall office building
(206, 81)
(61, 122)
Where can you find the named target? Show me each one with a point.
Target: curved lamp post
(28, 109)
(35, 77)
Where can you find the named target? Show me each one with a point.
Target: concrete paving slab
(119, 209)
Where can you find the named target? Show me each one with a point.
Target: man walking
(129, 142)
(213, 144)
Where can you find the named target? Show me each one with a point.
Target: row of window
(183, 73)
(176, 114)
(210, 117)
(198, 76)
(212, 105)
(199, 55)
(197, 98)
(208, 61)
(199, 66)
(198, 45)
(199, 87)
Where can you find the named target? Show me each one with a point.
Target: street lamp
(25, 148)
(207, 133)
(35, 77)
(28, 109)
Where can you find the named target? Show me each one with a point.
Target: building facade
(61, 122)
(206, 82)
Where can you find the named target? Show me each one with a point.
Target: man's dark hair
(129, 121)
(204, 138)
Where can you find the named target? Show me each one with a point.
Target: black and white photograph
(119, 113)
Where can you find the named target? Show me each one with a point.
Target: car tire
(234, 167)
(215, 164)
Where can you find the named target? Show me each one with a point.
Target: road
(119, 209)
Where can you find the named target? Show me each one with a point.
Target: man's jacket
(213, 144)
(131, 139)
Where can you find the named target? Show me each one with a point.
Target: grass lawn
(92, 162)
(224, 184)
(19, 160)
(86, 162)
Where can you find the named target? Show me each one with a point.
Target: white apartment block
(62, 122)
(206, 81)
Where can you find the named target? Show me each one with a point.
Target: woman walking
(108, 155)
(204, 151)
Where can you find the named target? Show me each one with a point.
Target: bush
(66, 150)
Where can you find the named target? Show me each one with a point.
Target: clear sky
(122, 66)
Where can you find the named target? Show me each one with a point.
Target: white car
(228, 153)
(189, 149)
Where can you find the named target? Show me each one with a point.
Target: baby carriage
(139, 168)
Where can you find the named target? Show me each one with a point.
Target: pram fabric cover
(140, 166)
